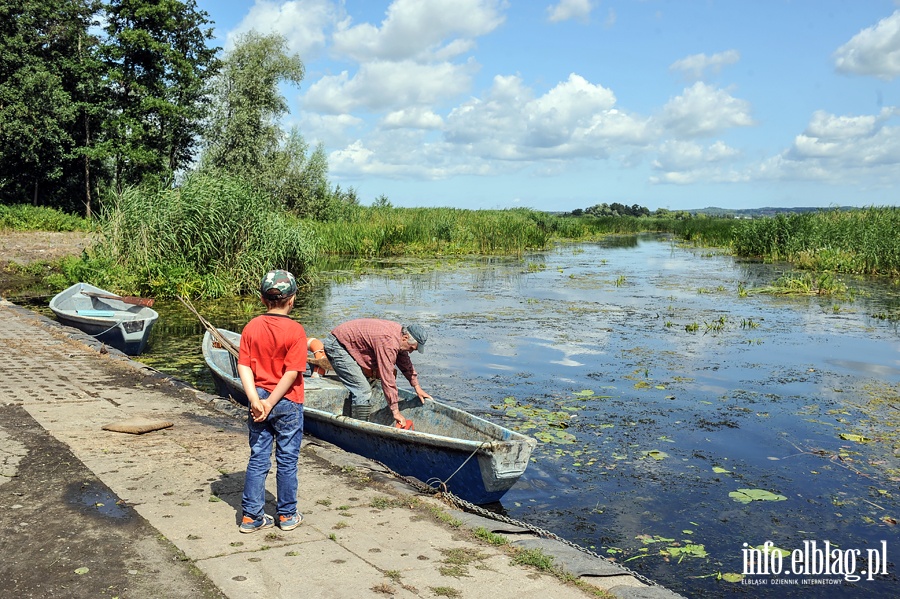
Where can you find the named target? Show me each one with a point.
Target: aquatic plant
(805, 284)
(210, 237)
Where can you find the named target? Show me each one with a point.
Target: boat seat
(96, 313)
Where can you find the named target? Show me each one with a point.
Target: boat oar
(128, 299)
(213, 331)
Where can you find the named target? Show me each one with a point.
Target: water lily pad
(681, 552)
(82, 570)
(655, 454)
(856, 438)
(732, 577)
(719, 470)
(748, 495)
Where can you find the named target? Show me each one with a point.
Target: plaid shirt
(375, 345)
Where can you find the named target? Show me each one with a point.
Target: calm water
(646, 427)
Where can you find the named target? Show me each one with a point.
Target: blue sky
(563, 104)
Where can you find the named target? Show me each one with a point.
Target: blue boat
(124, 323)
(478, 460)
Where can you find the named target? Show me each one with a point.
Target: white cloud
(570, 9)
(873, 51)
(386, 85)
(676, 155)
(704, 110)
(338, 129)
(828, 126)
(574, 119)
(860, 149)
(610, 18)
(418, 30)
(695, 66)
(685, 162)
(302, 22)
(414, 118)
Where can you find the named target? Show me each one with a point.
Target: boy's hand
(260, 410)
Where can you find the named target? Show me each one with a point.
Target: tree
(159, 66)
(244, 137)
(47, 73)
(244, 133)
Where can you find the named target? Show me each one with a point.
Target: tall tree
(44, 50)
(245, 138)
(244, 131)
(159, 65)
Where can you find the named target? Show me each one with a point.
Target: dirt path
(25, 247)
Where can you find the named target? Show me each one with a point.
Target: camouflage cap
(278, 285)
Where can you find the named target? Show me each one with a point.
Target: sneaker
(290, 522)
(248, 524)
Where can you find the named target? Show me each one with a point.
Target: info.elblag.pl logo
(814, 563)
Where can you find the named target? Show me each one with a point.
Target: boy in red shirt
(271, 359)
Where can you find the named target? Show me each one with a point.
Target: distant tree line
(100, 95)
(617, 209)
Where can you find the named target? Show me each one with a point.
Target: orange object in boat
(407, 427)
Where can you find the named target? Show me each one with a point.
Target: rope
(106, 331)
(443, 483)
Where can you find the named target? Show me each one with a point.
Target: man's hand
(422, 394)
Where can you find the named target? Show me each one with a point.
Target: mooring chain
(440, 487)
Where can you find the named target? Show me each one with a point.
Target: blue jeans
(284, 428)
(348, 371)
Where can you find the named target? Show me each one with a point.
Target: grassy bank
(389, 231)
(25, 217)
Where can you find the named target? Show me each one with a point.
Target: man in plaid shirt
(367, 348)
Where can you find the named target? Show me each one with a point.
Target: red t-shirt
(272, 344)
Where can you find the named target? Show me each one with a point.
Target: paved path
(86, 512)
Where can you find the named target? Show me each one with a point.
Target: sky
(564, 104)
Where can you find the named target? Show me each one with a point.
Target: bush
(212, 236)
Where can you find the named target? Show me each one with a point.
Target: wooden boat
(120, 322)
(478, 460)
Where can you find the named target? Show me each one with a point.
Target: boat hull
(475, 459)
(123, 326)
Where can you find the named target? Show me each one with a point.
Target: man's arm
(406, 367)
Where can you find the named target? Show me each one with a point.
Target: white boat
(120, 322)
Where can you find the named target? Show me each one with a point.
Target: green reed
(861, 241)
(388, 231)
(210, 237)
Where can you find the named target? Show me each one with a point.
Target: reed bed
(210, 237)
(388, 231)
(863, 241)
